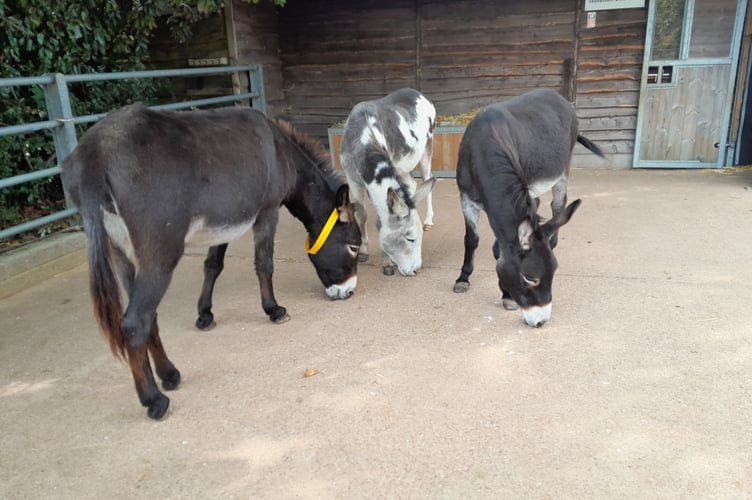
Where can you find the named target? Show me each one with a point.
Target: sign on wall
(613, 4)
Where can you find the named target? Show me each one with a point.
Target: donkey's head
(527, 276)
(334, 252)
(401, 233)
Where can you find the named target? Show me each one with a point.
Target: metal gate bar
(62, 122)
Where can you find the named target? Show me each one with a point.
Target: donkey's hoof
(280, 316)
(158, 407)
(509, 304)
(171, 381)
(461, 287)
(388, 270)
(283, 319)
(362, 257)
(427, 227)
(205, 323)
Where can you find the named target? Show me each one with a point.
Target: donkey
(383, 142)
(510, 154)
(149, 182)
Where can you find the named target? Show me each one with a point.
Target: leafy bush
(74, 37)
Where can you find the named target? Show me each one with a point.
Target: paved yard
(640, 386)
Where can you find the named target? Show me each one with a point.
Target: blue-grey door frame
(725, 154)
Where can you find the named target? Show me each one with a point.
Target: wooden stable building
(656, 83)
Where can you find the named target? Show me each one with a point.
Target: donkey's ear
(397, 205)
(342, 197)
(344, 207)
(550, 227)
(525, 233)
(424, 189)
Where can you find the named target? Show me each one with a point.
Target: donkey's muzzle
(344, 290)
(536, 316)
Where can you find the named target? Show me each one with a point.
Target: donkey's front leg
(425, 168)
(263, 235)
(213, 265)
(357, 198)
(558, 203)
(471, 211)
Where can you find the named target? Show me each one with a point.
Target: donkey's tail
(103, 286)
(590, 145)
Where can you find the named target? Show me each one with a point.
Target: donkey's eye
(410, 240)
(530, 281)
(353, 250)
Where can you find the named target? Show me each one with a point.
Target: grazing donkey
(383, 142)
(149, 182)
(511, 153)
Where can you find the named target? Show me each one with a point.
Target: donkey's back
(384, 140)
(536, 130)
(191, 173)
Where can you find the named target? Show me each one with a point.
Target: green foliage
(74, 37)
(668, 29)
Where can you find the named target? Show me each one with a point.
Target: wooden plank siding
(478, 52)
(208, 40)
(337, 53)
(321, 58)
(464, 55)
(256, 41)
(608, 73)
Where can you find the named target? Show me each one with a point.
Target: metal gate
(61, 121)
(689, 70)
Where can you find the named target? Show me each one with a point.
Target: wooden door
(689, 69)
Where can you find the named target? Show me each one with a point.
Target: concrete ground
(640, 386)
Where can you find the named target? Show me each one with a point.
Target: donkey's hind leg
(471, 211)
(558, 203)
(155, 402)
(146, 291)
(425, 168)
(138, 358)
(213, 265)
(166, 371)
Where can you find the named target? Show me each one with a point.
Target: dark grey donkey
(384, 140)
(149, 182)
(511, 153)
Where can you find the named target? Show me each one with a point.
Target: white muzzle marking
(343, 290)
(537, 315)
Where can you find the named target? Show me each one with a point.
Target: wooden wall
(463, 55)
(321, 57)
(608, 71)
(337, 53)
(254, 39)
(208, 40)
(477, 52)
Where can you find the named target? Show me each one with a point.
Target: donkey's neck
(309, 201)
(511, 205)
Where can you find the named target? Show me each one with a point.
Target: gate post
(256, 79)
(59, 109)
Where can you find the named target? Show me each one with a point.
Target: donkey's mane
(313, 148)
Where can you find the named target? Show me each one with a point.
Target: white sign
(210, 61)
(613, 4)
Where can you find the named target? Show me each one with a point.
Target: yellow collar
(313, 250)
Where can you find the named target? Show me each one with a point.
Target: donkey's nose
(536, 316)
(349, 294)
